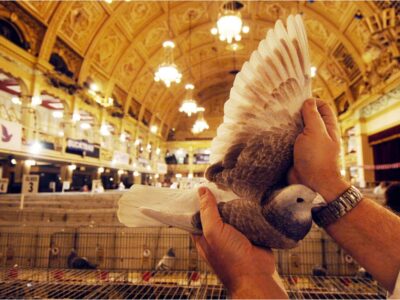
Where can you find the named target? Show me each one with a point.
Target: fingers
(329, 118)
(312, 119)
(201, 246)
(210, 219)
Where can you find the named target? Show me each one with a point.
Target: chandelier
(189, 105)
(230, 25)
(167, 71)
(201, 124)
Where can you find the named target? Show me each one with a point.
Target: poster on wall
(11, 135)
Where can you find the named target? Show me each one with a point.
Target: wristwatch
(333, 211)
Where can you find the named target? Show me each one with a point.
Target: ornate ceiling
(118, 46)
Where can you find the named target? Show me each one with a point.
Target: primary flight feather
(251, 154)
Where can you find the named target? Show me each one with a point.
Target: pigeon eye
(299, 200)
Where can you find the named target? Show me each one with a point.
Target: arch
(13, 33)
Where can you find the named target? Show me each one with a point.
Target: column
(28, 119)
(364, 155)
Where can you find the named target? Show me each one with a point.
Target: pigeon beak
(318, 201)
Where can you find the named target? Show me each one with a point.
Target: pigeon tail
(137, 206)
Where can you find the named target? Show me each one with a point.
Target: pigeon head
(289, 210)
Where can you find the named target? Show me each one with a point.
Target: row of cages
(121, 248)
(78, 284)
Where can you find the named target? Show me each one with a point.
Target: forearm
(371, 234)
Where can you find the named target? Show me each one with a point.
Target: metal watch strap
(336, 209)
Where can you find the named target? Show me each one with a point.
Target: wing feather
(253, 148)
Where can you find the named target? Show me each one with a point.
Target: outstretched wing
(253, 149)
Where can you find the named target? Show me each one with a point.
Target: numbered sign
(3, 185)
(30, 184)
(97, 186)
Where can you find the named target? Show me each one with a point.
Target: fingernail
(311, 102)
(202, 191)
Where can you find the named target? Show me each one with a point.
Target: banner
(11, 135)
(120, 158)
(381, 167)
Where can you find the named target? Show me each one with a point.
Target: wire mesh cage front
(34, 263)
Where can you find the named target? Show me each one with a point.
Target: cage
(34, 264)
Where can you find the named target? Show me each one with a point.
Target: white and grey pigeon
(251, 154)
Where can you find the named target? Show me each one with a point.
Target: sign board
(82, 147)
(97, 186)
(3, 185)
(120, 158)
(11, 135)
(30, 184)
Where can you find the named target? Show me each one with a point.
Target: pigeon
(167, 262)
(251, 153)
(77, 262)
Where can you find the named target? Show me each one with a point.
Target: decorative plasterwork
(138, 14)
(381, 103)
(81, 23)
(32, 29)
(128, 69)
(41, 9)
(73, 60)
(108, 49)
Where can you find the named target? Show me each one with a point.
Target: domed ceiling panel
(195, 12)
(142, 83)
(152, 37)
(137, 14)
(43, 10)
(268, 10)
(81, 23)
(109, 48)
(335, 12)
(128, 68)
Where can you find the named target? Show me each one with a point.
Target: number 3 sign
(3, 185)
(30, 184)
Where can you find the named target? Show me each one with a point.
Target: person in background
(121, 186)
(392, 196)
(380, 189)
(368, 232)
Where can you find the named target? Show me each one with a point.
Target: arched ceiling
(118, 45)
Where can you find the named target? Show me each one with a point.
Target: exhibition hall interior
(100, 97)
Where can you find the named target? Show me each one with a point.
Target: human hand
(316, 151)
(246, 271)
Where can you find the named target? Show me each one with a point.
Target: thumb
(210, 218)
(312, 119)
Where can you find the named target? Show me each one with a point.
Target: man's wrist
(333, 189)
